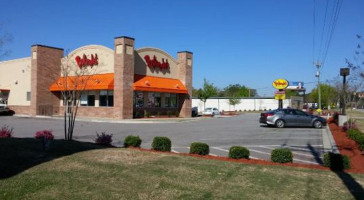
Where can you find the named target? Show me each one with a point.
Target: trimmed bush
(281, 155)
(161, 144)
(6, 132)
(169, 113)
(357, 136)
(177, 114)
(199, 148)
(238, 152)
(103, 139)
(133, 141)
(336, 161)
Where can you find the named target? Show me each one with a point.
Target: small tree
(329, 95)
(207, 91)
(75, 77)
(5, 38)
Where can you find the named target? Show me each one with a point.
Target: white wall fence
(246, 104)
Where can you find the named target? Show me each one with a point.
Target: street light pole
(318, 84)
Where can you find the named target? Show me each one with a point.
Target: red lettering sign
(84, 61)
(154, 63)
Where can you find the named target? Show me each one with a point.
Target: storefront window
(91, 99)
(83, 99)
(150, 99)
(139, 99)
(106, 98)
(157, 100)
(173, 99)
(170, 100)
(167, 100)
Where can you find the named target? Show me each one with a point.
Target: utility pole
(318, 65)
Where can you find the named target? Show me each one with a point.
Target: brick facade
(123, 77)
(45, 69)
(184, 60)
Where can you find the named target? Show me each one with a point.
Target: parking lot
(219, 133)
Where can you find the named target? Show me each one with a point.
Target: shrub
(133, 141)
(161, 144)
(6, 132)
(237, 152)
(45, 134)
(147, 113)
(335, 117)
(199, 148)
(103, 139)
(336, 161)
(137, 114)
(169, 113)
(349, 125)
(158, 113)
(357, 136)
(177, 113)
(281, 155)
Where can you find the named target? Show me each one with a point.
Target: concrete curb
(328, 141)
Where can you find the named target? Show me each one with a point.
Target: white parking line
(218, 148)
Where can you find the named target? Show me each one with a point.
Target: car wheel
(280, 123)
(317, 124)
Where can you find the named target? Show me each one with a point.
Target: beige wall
(105, 58)
(142, 68)
(15, 75)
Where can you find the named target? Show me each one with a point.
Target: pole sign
(295, 85)
(279, 95)
(280, 84)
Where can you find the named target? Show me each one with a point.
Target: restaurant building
(125, 82)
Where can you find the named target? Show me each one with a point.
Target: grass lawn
(76, 170)
(358, 117)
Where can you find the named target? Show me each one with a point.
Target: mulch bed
(245, 161)
(349, 148)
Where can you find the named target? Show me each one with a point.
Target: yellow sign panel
(280, 84)
(280, 96)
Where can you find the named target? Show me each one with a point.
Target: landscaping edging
(245, 161)
(349, 148)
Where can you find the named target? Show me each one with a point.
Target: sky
(245, 42)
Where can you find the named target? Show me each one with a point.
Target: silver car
(291, 117)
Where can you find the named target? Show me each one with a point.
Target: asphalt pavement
(219, 133)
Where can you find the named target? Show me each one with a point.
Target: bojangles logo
(280, 84)
(84, 61)
(155, 63)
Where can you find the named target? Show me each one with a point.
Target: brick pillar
(123, 77)
(45, 69)
(185, 75)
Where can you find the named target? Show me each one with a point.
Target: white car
(211, 111)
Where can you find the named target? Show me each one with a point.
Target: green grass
(75, 170)
(358, 117)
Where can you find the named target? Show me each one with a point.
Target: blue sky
(247, 42)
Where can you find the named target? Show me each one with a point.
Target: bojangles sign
(154, 63)
(84, 61)
(280, 84)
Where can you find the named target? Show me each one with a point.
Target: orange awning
(157, 84)
(89, 82)
(106, 82)
(4, 90)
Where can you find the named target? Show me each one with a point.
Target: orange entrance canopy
(89, 82)
(157, 84)
(106, 82)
